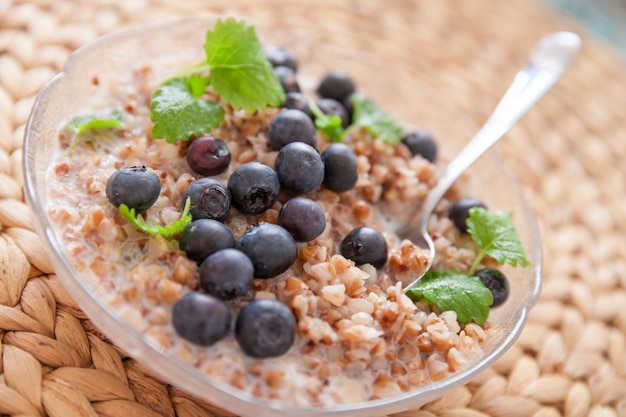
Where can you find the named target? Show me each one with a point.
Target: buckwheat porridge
(348, 331)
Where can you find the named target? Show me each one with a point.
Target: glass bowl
(165, 45)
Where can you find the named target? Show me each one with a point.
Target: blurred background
(605, 18)
(568, 153)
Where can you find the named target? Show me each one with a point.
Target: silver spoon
(548, 61)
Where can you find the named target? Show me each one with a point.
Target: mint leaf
(328, 124)
(81, 125)
(452, 290)
(166, 231)
(179, 113)
(198, 84)
(237, 70)
(496, 236)
(375, 121)
(240, 72)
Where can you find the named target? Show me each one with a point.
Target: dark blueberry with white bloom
(254, 188)
(337, 85)
(303, 218)
(365, 245)
(227, 273)
(270, 247)
(201, 318)
(459, 212)
(421, 143)
(297, 101)
(209, 199)
(287, 78)
(265, 328)
(340, 170)
(291, 125)
(137, 187)
(333, 107)
(299, 167)
(208, 156)
(281, 56)
(496, 282)
(203, 237)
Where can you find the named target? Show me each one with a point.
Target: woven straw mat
(568, 153)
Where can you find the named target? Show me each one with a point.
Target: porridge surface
(359, 337)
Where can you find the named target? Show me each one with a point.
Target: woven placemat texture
(568, 153)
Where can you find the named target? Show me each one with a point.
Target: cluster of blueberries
(264, 327)
(364, 245)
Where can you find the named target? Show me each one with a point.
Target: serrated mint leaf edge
(427, 288)
(209, 115)
(166, 231)
(513, 250)
(257, 69)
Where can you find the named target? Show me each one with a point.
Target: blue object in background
(605, 18)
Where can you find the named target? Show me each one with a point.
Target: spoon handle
(550, 58)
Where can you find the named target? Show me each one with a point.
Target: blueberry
(421, 143)
(333, 107)
(337, 85)
(349, 106)
(270, 247)
(365, 245)
(280, 56)
(201, 318)
(299, 167)
(298, 101)
(459, 212)
(265, 328)
(208, 156)
(496, 282)
(303, 218)
(227, 273)
(209, 199)
(287, 78)
(340, 172)
(136, 187)
(254, 188)
(291, 125)
(203, 237)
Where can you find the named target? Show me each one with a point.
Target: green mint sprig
(237, 70)
(81, 125)
(365, 115)
(496, 236)
(465, 294)
(380, 124)
(180, 113)
(328, 124)
(451, 290)
(166, 231)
